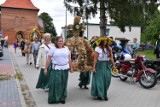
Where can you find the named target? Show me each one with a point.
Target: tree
(152, 30)
(122, 12)
(48, 24)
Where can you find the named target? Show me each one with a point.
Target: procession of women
(75, 54)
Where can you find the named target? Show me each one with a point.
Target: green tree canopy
(48, 24)
(152, 30)
(122, 12)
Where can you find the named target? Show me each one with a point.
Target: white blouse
(60, 58)
(103, 56)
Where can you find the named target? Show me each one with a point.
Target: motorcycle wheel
(114, 74)
(148, 81)
(123, 78)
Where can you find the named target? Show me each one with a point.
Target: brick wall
(18, 20)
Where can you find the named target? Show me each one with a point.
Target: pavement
(9, 90)
(120, 94)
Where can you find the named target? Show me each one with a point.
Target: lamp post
(65, 34)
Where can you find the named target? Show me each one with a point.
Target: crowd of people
(55, 63)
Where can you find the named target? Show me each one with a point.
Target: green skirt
(84, 78)
(57, 86)
(101, 79)
(43, 79)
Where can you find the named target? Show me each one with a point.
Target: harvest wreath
(35, 31)
(81, 53)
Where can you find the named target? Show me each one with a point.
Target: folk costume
(41, 60)
(84, 78)
(101, 79)
(59, 75)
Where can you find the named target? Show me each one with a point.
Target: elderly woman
(61, 61)
(101, 77)
(41, 60)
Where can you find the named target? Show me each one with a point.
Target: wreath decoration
(32, 34)
(82, 50)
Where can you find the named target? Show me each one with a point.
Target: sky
(57, 10)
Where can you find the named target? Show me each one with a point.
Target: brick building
(18, 17)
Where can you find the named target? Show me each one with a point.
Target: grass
(148, 54)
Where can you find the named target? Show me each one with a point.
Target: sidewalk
(9, 90)
(121, 94)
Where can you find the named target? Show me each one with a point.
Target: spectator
(15, 45)
(136, 44)
(35, 48)
(157, 48)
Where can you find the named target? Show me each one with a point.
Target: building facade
(18, 18)
(114, 31)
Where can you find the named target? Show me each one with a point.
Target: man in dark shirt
(157, 48)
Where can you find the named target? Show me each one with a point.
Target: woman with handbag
(41, 60)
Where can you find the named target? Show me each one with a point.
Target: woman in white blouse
(101, 77)
(61, 63)
(41, 60)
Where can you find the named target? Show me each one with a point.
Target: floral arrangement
(115, 70)
(76, 27)
(35, 31)
(103, 38)
(83, 50)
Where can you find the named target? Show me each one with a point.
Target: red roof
(23, 4)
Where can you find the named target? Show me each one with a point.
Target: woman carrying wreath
(84, 77)
(61, 63)
(41, 60)
(101, 77)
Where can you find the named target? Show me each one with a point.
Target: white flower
(77, 27)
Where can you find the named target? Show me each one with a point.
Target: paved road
(121, 94)
(9, 94)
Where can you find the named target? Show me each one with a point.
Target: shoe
(30, 63)
(99, 98)
(106, 98)
(85, 87)
(63, 102)
(80, 86)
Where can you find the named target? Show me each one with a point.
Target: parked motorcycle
(136, 69)
(124, 55)
(154, 65)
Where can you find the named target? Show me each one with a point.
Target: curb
(22, 100)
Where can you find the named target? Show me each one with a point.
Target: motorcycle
(136, 69)
(154, 65)
(124, 55)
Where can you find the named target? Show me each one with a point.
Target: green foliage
(152, 31)
(69, 36)
(122, 12)
(48, 24)
(148, 54)
(4, 77)
(19, 76)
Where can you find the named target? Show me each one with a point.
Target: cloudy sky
(56, 9)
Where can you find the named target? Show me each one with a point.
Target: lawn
(148, 54)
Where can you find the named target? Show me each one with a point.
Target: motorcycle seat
(124, 61)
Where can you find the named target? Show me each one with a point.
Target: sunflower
(115, 70)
